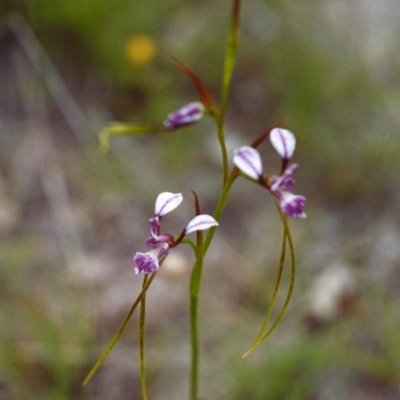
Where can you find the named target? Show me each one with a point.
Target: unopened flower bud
(186, 115)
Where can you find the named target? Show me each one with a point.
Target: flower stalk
(142, 341)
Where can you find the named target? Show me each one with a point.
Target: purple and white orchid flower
(248, 160)
(146, 263)
(186, 115)
(291, 204)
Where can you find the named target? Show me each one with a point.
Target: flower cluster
(146, 263)
(248, 160)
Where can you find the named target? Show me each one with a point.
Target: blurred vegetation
(71, 219)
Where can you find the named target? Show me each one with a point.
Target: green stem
(230, 56)
(142, 340)
(224, 153)
(195, 283)
(229, 66)
(220, 207)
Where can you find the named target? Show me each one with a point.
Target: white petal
(283, 141)
(167, 202)
(248, 160)
(200, 223)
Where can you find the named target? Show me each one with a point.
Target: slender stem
(224, 153)
(229, 66)
(230, 56)
(195, 284)
(220, 207)
(142, 340)
(194, 336)
(194, 328)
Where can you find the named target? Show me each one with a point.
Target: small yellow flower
(140, 49)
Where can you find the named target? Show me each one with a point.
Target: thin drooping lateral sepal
(273, 297)
(292, 277)
(118, 129)
(287, 239)
(204, 93)
(120, 330)
(142, 340)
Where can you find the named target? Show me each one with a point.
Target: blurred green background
(71, 219)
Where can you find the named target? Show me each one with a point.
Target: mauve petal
(248, 160)
(154, 241)
(146, 263)
(200, 223)
(284, 142)
(166, 202)
(186, 115)
(285, 181)
(291, 204)
(154, 226)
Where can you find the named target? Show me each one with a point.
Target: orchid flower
(166, 202)
(248, 160)
(186, 115)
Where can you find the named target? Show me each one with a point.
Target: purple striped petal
(187, 115)
(200, 223)
(285, 181)
(155, 238)
(166, 202)
(248, 160)
(146, 263)
(284, 142)
(291, 204)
